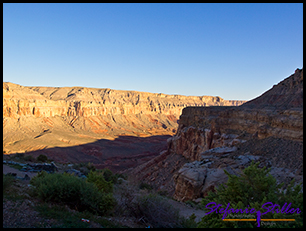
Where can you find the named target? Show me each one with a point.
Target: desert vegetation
(253, 188)
(102, 197)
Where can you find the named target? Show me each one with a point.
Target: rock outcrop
(207, 132)
(35, 167)
(212, 139)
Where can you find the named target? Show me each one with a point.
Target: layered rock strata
(48, 118)
(204, 133)
(268, 129)
(85, 102)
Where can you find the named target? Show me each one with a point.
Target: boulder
(213, 179)
(49, 168)
(189, 181)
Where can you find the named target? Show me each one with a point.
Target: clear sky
(235, 51)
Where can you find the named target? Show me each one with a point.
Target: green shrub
(120, 175)
(150, 209)
(157, 211)
(42, 158)
(90, 167)
(163, 193)
(189, 222)
(8, 181)
(191, 203)
(108, 175)
(28, 158)
(253, 188)
(144, 185)
(98, 180)
(73, 191)
(66, 219)
(85, 167)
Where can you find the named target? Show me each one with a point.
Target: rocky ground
(284, 157)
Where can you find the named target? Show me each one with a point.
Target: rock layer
(278, 113)
(85, 102)
(212, 139)
(44, 118)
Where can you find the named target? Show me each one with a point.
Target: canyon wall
(212, 139)
(278, 113)
(44, 118)
(226, 138)
(78, 101)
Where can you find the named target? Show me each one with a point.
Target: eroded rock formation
(210, 140)
(85, 102)
(44, 118)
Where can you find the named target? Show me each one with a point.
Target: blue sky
(235, 51)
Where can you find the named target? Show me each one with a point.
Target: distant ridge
(285, 95)
(76, 116)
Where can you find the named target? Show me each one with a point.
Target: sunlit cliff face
(80, 115)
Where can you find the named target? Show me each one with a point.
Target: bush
(163, 193)
(8, 181)
(156, 211)
(144, 185)
(150, 209)
(73, 191)
(42, 158)
(109, 176)
(90, 167)
(29, 158)
(190, 222)
(253, 188)
(99, 181)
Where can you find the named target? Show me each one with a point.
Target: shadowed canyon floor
(119, 154)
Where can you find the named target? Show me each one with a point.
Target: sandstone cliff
(77, 101)
(203, 128)
(44, 118)
(210, 139)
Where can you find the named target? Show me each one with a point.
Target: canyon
(209, 140)
(109, 128)
(180, 145)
